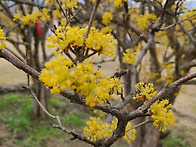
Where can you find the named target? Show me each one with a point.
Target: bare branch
(168, 27)
(167, 89)
(11, 28)
(42, 107)
(19, 64)
(191, 82)
(72, 96)
(13, 53)
(145, 49)
(7, 7)
(59, 125)
(188, 65)
(88, 29)
(191, 38)
(141, 124)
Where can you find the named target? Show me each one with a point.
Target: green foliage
(17, 112)
(53, 102)
(174, 141)
(74, 120)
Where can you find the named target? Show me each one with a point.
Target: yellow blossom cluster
(107, 29)
(2, 37)
(145, 91)
(129, 133)
(33, 18)
(162, 114)
(144, 20)
(189, 13)
(107, 17)
(66, 38)
(160, 1)
(129, 57)
(65, 4)
(117, 3)
(61, 74)
(96, 129)
(68, 4)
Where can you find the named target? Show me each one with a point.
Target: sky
(190, 4)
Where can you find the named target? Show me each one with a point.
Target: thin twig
(141, 124)
(61, 9)
(41, 106)
(170, 26)
(145, 49)
(7, 7)
(88, 30)
(59, 125)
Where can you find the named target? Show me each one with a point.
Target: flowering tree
(155, 43)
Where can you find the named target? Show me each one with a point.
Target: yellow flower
(162, 115)
(68, 4)
(129, 57)
(107, 17)
(129, 133)
(160, 1)
(96, 129)
(144, 20)
(145, 91)
(2, 37)
(61, 74)
(66, 38)
(34, 17)
(117, 3)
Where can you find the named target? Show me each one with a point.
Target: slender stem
(170, 26)
(42, 107)
(88, 30)
(61, 9)
(141, 124)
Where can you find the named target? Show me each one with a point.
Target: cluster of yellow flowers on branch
(34, 17)
(129, 57)
(144, 20)
(2, 37)
(97, 129)
(145, 91)
(162, 114)
(61, 74)
(107, 17)
(74, 39)
(160, 111)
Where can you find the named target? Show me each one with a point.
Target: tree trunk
(40, 90)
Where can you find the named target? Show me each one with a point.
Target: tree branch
(59, 125)
(19, 64)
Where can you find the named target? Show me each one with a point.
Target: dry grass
(185, 106)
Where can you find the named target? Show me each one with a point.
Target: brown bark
(41, 91)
